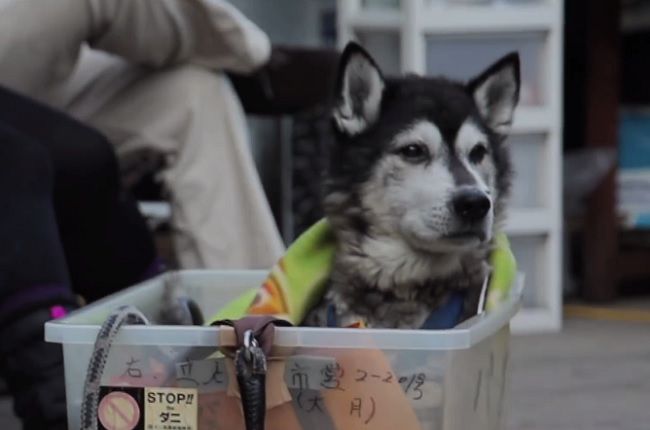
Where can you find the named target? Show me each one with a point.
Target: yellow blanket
(297, 281)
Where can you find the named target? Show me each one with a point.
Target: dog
(415, 189)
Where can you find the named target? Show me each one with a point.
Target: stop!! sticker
(171, 408)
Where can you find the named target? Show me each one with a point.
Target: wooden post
(602, 97)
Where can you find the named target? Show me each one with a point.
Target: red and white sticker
(118, 411)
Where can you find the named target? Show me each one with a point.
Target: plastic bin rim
(468, 334)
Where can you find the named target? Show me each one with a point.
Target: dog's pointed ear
(496, 92)
(359, 91)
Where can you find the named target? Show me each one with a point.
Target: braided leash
(122, 315)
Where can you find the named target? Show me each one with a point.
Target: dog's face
(421, 160)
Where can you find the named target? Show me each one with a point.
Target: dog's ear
(496, 92)
(359, 91)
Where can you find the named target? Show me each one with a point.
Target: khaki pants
(147, 73)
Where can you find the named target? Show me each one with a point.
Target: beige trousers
(148, 74)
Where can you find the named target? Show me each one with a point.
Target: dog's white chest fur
(387, 284)
(390, 264)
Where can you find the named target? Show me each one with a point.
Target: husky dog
(415, 190)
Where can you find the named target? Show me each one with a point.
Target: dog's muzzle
(471, 205)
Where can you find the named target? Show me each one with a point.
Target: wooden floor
(595, 375)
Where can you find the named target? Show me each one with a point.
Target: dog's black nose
(471, 205)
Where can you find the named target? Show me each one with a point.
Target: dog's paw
(353, 320)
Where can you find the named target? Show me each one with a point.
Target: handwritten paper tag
(207, 376)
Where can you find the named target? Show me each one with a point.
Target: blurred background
(579, 220)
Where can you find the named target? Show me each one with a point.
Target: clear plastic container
(528, 161)
(336, 378)
(532, 259)
(380, 4)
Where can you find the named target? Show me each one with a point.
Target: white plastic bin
(452, 379)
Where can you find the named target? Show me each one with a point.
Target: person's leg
(40, 44)
(34, 284)
(207, 132)
(220, 213)
(106, 240)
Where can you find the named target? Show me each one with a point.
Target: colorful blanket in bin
(361, 390)
(297, 281)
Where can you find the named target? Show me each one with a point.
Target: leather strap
(263, 328)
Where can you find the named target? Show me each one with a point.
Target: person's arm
(157, 33)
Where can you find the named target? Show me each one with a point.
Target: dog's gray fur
(405, 149)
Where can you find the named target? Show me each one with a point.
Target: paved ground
(593, 376)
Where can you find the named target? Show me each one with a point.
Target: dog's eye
(478, 153)
(414, 152)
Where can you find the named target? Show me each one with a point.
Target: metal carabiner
(251, 367)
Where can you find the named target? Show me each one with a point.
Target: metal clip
(251, 366)
(252, 355)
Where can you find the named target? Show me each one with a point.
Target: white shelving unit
(459, 38)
